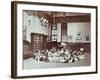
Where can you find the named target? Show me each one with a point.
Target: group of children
(63, 55)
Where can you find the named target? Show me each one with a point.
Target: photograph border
(14, 38)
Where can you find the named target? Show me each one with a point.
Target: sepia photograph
(53, 39)
(56, 39)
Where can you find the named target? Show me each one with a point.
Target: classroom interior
(54, 39)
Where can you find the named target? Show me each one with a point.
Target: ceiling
(63, 14)
(61, 17)
(57, 14)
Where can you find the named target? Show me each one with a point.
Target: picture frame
(18, 61)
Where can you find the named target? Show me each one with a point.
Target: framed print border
(15, 65)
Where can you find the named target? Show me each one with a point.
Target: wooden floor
(30, 63)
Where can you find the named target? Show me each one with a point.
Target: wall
(58, 32)
(74, 28)
(34, 26)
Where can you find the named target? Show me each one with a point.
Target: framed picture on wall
(33, 56)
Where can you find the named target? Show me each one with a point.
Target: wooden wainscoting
(77, 46)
